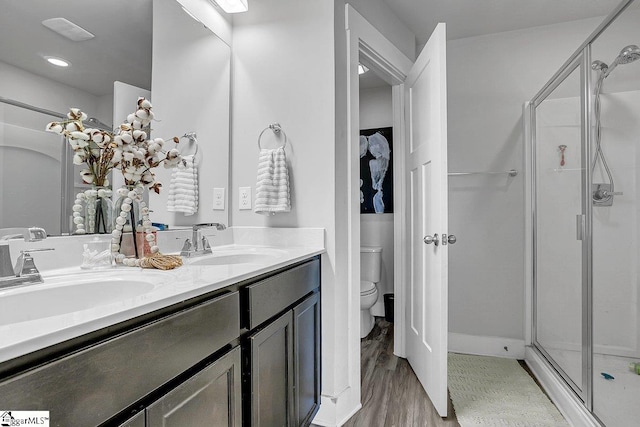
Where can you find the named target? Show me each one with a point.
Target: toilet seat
(367, 288)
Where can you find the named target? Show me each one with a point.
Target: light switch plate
(218, 199)
(245, 198)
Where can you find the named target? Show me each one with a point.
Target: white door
(427, 299)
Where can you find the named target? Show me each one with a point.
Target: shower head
(627, 55)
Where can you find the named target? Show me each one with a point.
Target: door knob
(450, 239)
(432, 239)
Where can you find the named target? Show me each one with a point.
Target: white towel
(272, 188)
(183, 188)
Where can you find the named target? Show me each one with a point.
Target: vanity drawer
(269, 297)
(90, 386)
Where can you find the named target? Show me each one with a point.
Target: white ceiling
(121, 49)
(467, 18)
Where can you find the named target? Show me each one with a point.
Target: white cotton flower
(78, 159)
(144, 103)
(128, 156)
(137, 124)
(131, 118)
(87, 176)
(80, 135)
(97, 137)
(142, 114)
(82, 143)
(159, 141)
(128, 176)
(72, 127)
(139, 135)
(117, 156)
(126, 137)
(54, 127)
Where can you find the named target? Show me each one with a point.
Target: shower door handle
(579, 226)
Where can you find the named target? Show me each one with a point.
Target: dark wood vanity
(244, 355)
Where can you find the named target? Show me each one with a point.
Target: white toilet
(370, 266)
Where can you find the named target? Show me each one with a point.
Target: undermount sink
(56, 297)
(238, 256)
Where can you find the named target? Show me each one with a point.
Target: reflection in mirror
(37, 179)
(120, 50)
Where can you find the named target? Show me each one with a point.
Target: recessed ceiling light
(362, 69)
(58, 62)
(67, 29)
(232, 6)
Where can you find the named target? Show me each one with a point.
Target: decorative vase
(129, 223)
(93, 211)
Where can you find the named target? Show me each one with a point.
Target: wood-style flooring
(391, 393)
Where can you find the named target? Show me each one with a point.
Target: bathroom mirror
(127, 47)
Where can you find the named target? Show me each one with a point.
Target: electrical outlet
(218, 199)
(245, 198)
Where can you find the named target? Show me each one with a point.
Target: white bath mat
(496, 392)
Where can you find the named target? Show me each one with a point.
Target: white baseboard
(486, 346)
(335, 411)
(567, 402)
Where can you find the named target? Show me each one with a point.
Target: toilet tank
(370, 263)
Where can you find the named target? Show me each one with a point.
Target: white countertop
(162, 289)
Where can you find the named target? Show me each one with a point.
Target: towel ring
(192, 137)
(276, 128)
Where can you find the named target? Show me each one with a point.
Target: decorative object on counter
(127, 149)
(93, 211)
(272, 187)
(161, 262)
(151, 258)
(97, 254)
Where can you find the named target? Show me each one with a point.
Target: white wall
(489, 79)
(376, 111)
(378, 13)
(283, 61)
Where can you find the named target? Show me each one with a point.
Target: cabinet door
(306, 343)
(272, 374)
(210, 398)
(135, 421)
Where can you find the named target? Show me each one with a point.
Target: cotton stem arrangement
(127, 149)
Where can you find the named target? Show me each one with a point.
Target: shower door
(560, 216)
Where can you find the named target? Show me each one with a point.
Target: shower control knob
(432, 239)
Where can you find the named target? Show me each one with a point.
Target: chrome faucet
(192, 248)
(25, 270)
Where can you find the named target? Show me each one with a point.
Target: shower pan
(583, 227)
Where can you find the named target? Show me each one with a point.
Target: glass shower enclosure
(584, 133)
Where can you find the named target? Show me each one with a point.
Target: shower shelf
(512, 172)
